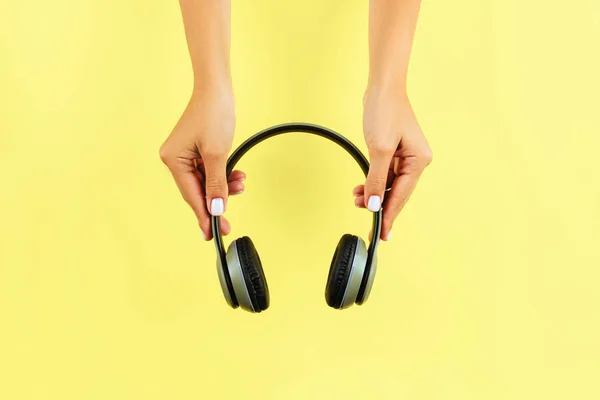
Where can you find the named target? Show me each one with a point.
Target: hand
(398, 153)
(196, 153)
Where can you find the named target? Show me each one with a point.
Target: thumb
(215, 183)
(377, 179)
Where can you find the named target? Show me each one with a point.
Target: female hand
(196, 153)
(398, 153)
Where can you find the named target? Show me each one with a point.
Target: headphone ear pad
(254, 276)
(340, 270)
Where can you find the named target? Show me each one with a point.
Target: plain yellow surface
(488, 289)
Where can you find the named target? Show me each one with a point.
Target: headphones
(352, 268)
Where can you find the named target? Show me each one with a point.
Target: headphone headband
(315, 130)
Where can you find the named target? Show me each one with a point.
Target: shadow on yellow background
(488, 289)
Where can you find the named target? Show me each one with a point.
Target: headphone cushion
(254, 276)
(339, 270)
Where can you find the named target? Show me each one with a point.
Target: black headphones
(352, 269)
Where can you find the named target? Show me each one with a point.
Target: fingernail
(203, 235)
(389, 235)
(356, 205)
(240, 192)
(374, 203)
(217, 207)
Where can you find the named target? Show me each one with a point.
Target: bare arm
(197, 148)
(392, 25)
(398, 150)
(208, 32)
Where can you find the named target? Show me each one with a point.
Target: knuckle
(395, 199)
(165, 154)
(214, 184)
(381, 149)
(213, 154)
(378, 182)
(426, 157)
(411, 164)
(214, 151)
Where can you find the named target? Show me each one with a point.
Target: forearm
(392, 25)
(208, 32)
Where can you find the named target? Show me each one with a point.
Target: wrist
(387, 84)
(212, 86)
(389, 89)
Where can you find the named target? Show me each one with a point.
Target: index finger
(396, 198)
(192, 192)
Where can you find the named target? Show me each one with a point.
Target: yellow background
(488, 289)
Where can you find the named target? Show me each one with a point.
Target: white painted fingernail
(217, 207)
(203, 235)
(374, 203)
(389, 235)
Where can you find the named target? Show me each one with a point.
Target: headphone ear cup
(253, 277)
(340, 271)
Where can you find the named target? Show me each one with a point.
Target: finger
(236, 176)
(360, 202)
(233, 176)
(235, 181)
(191, 190)
(397, 197)
(391, 174)
(395, 166)
(235, 187)
(200, 165)
(215, 183)
(205, 224)
(377, 179)
(359, 190)
(225, 228)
